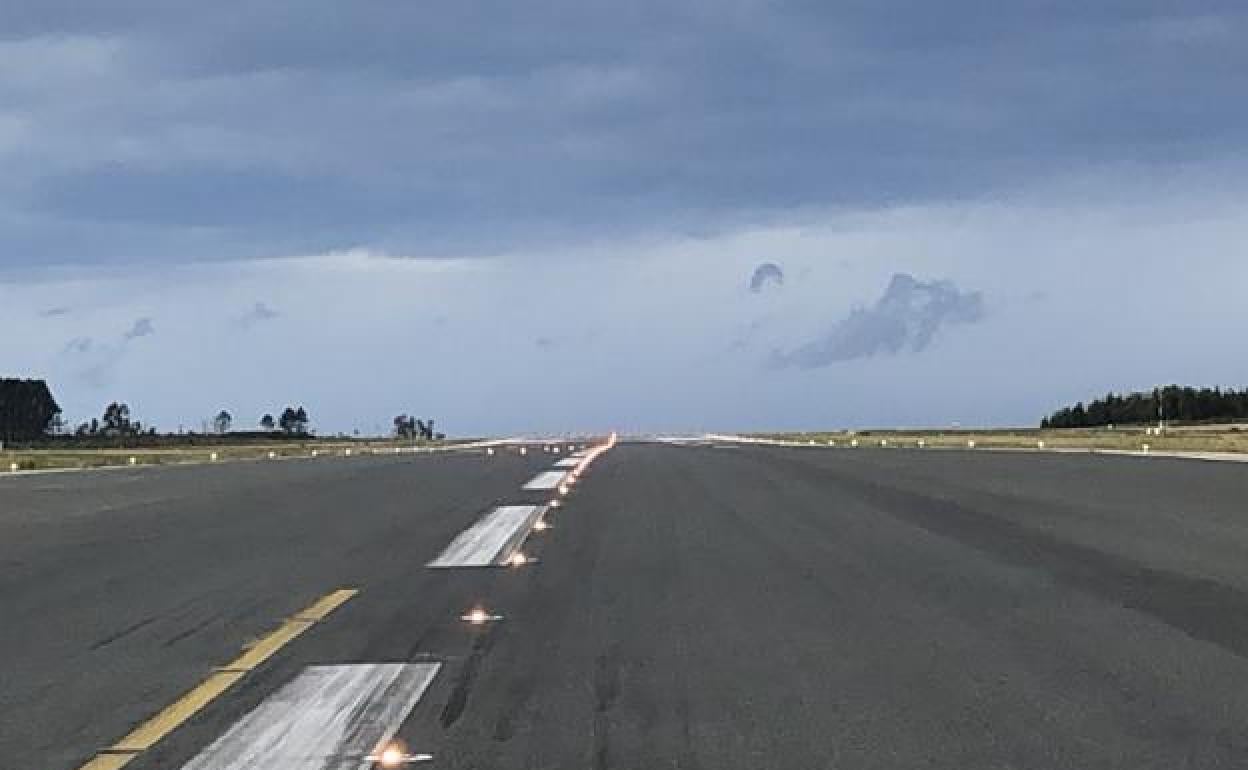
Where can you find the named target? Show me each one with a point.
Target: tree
(267, 422)
(1169, 403)
(294, 421)
(221, 423)
(116, 419)
(405, 427)
(26, 409)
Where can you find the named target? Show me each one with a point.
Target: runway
(679, 606)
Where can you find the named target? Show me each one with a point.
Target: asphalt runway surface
(689, 607)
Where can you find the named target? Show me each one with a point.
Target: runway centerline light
(478, 616)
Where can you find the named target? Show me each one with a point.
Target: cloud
(906, 318)
(78, 345)
(258, 313)
(142, 327)
(220, 136)
(768, 273)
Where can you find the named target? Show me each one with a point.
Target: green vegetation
(1171, 403)
(1182, 438)
(27, 409)
(35, 438)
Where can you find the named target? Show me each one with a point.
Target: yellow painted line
(147, 734)
(110, 761)
(327, 604)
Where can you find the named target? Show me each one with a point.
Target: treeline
(27, 409)
(412, 428)
(1173, 402)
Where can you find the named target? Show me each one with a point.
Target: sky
(669, 216)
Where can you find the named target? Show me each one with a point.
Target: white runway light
(540, 525)
(477, 616)
(524, 451)
(970, 444)
(490, 451)
(518, 559)
(395, 755)
(213, 457)
(134, 460)
(564, 489)
(1039, 445)
(272, 455)
(13, 467)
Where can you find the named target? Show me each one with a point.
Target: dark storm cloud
(765, 274)
(293, 127)
(906, 318)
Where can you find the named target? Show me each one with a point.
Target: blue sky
(546, 216)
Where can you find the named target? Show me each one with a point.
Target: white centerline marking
(328, 717)
(545, 480)
(492, 540)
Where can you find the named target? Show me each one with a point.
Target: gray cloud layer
(906, 318)
(305, 126)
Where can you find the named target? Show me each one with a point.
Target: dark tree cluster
(412, 428)
(27, 409)
(1172, 402)
(293, 421)
(115, 423)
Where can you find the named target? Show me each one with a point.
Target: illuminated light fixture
(524, 450)
(314, 453)
(213, 457)
(540, 525)
(564, 489)
(490, 451)
(272, 455)
(134, 460)
(477, 616)
(395, 755)
(555, 503)
(518, 559)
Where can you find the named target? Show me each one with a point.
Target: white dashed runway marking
(327, 717)
(568, 462)
(492, 540)
(546, 480)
